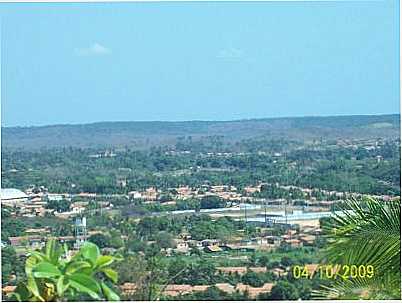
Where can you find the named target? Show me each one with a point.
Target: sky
(87, 62)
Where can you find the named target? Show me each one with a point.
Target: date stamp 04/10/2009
(333, 271)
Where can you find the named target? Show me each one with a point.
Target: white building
(12, 197)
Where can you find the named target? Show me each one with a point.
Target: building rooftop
(12, 193)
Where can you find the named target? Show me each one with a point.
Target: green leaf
(29, 264)
(103, 261)
(118, 257)
(109, 294)
(111, 274)
(366, 232)
(33, 288)
(53, 251)
(85, 284)
(50, 247)
(90, 252)
(45, 270)
(61, 287)
(21, 293)
(75, 266)
(65, 248)
(14, 296)
(39, 256)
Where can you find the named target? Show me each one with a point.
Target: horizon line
(199, 120)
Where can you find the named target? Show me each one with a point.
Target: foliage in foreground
(54, 276)
(367, 232)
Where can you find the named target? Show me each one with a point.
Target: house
(253, 292)
(233, 270)
(212, 248)
(292, 232)
(294, 243)
(273, 240)
(307, 240)
(174, 290)
(54, 197)
(258, 269)
(150, 194)
(226, 287)
(241, 270)
(128, 288)
(200, 288)
(79, 207)
(16, 241)
(209, 242)
(35, 199)
(181, 246)
(135, 195)
(37, 230)
(184, 190)
(34, 241)
(252, 189)
(219, 188)
(36, 209)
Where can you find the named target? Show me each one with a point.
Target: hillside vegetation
(143, 135)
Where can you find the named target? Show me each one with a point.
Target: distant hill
(145, 134)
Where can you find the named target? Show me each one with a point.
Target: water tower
(80, 230)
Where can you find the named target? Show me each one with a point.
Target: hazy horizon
(206, 120)
(94, 62)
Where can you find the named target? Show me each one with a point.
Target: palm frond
(366, 232)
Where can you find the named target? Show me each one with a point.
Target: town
(202, 219)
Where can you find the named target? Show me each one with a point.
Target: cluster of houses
(152, 194)
(174, 290)
(35, 238)
(292, 238)
(231, 193)
(27, 204)
(367, 144)
(33, 203)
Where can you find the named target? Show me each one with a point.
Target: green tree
(11, 228)
(59, 206)
(287, 261)
(253, 279)
(10, 264)
(212, 202)
(213, 294)
(54, 276)
(100, 240)
(165, 240)
(283, 290)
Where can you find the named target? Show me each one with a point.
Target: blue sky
(80, 63)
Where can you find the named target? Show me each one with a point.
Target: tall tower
(80, 230)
